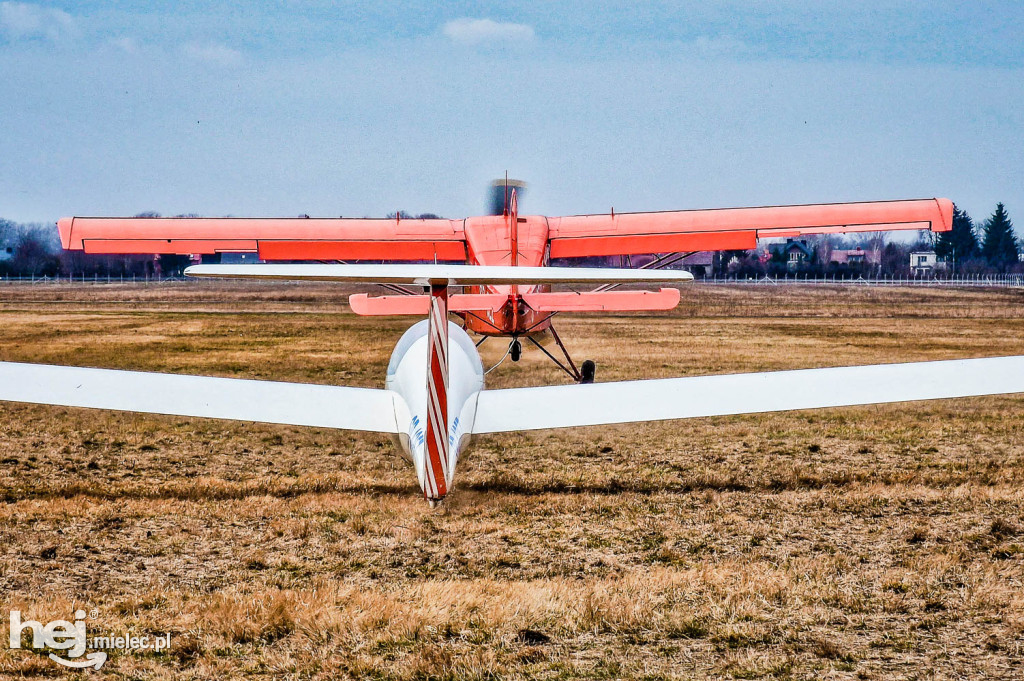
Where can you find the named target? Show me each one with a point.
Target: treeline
(992, 248)
(28, 249)
(33, 250)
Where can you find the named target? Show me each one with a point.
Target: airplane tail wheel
(515, 350)
(588, 370)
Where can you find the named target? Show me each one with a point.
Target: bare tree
(32, 253)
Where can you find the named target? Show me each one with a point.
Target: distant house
(923, 263)
(795, 252)
(854, 257)
(699, 264)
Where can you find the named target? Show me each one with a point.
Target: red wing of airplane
(404, 239)
(735, 228)
(272, 238)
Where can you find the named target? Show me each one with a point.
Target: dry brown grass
(874, 542)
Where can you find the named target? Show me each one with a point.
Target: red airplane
(503, 239)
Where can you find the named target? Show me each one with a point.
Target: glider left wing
(297, 404)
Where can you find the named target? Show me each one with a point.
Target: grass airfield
(855, 543)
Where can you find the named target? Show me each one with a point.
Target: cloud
(125, 44)
(25, 21)
(708, 47)
(213, 53)
(476, 31)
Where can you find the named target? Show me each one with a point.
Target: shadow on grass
(768, 482)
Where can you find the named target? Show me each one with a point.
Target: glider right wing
(564, 406)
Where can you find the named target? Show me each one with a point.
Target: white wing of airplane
(564, 406)
(455, 275)
(298, 404)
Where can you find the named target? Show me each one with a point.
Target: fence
(979, 280)
(94, 279)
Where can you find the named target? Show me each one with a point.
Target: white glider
(434, 400)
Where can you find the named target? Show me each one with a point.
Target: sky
(360, 109)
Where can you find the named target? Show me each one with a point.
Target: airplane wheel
(516, 350)
(589, 369)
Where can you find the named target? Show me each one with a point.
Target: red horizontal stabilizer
(363, 304)
(603, 301)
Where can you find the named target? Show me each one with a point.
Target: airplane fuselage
(507, 240)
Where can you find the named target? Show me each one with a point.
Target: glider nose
(433, 497)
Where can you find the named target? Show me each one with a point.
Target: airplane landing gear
(515, 351)
(569, 367)
(587, 371)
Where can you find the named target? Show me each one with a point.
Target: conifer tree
(960, 244)
(999, 245)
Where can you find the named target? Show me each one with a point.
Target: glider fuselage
(405, 377)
